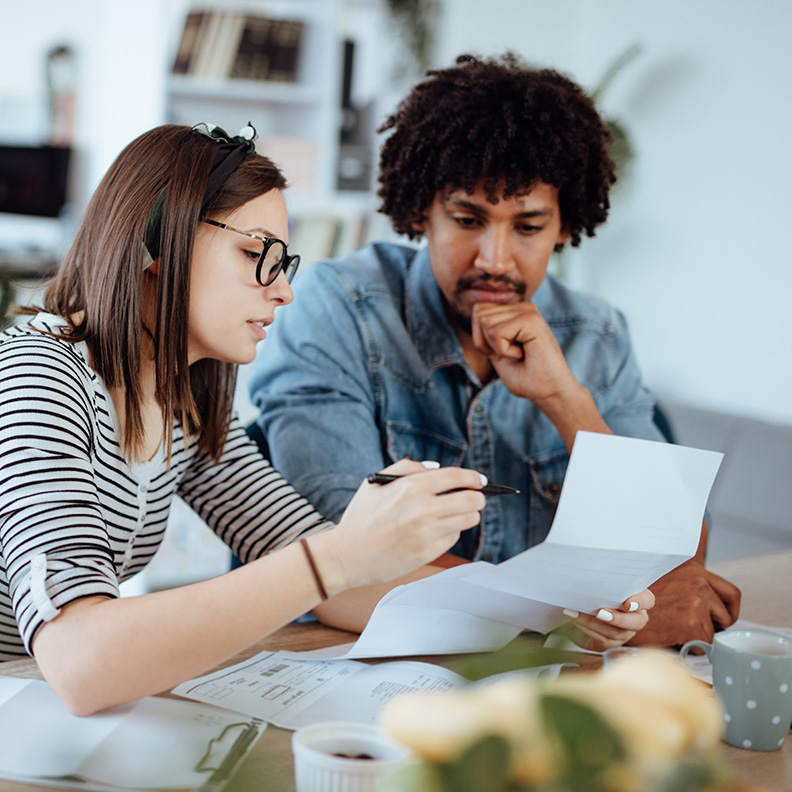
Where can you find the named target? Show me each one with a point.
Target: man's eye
(529, 229)
(465, 221)
(253, 255)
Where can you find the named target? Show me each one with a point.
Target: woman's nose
(279, 291)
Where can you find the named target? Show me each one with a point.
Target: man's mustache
(499, 281)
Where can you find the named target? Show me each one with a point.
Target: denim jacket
(364, 368)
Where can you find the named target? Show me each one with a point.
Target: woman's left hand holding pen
(389, 531)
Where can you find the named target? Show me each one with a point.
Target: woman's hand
(389, 530)
(609, 628)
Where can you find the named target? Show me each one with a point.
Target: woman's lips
(260, 332)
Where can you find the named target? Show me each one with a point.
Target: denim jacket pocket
(404, 440)
(546, 476)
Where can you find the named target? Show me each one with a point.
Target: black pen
(489, 489)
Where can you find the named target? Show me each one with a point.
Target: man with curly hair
(466, 351)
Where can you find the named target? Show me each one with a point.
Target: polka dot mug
(752, 677)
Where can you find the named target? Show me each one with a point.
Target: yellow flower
(661, 712)
(440, 726)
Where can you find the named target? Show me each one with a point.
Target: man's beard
(463, 318)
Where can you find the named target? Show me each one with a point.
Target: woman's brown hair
(99, 287)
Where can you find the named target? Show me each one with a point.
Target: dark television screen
(33, 179)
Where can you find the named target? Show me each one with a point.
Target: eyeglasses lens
(270, 263)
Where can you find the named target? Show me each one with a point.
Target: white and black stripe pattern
(67, 492)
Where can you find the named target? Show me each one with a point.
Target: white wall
(696, 249)
(121, 51)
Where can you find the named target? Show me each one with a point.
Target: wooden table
(766, 584)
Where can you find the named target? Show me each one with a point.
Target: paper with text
(290, 693)
(630, 511)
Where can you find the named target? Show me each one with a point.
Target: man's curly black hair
(498, 122)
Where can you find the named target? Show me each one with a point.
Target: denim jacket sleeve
(315, 394)
(626, 405)
(596, 344)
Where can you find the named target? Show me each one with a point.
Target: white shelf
(243, 91)
(299, 122)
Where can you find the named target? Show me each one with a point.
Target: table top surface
(766, 584)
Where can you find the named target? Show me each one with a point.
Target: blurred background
(694, 251)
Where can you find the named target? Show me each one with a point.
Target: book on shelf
(189, 45)
(253, 55)
(323, 236)
(285, 38)
(223, 45)
(201, 64)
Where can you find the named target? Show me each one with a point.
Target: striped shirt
(76, 518)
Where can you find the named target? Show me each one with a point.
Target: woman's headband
(230, 152)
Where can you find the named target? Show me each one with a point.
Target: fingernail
(633, 607)
(573, 614)
(483, 480)
(428, 463)
(604, 615)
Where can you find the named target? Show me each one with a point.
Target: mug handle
(706, 647)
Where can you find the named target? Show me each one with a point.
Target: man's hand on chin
(691, 603)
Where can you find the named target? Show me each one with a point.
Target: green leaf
(632, 52)
(484, 766)
(416, 777)
(698, 774)
(589, 744)
(524, 652)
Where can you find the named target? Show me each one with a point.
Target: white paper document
(290, 693)
(630, 511)
(154, 743)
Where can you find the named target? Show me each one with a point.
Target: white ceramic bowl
(318, 767)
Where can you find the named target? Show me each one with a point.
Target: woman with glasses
(117, 395)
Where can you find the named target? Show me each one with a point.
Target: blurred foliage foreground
(643, 724)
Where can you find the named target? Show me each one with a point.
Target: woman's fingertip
(573, 614)
(634, 606)
(432, 465)
(604, 615)
(484, 479)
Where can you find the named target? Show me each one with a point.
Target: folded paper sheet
(151, 744)
(630, 511)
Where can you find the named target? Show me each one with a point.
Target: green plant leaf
(589, 744)
(482, 768)
(515, 656)
(632, 52)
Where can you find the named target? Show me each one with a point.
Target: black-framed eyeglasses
(273, 259)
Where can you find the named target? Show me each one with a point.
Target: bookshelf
(299, 114)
